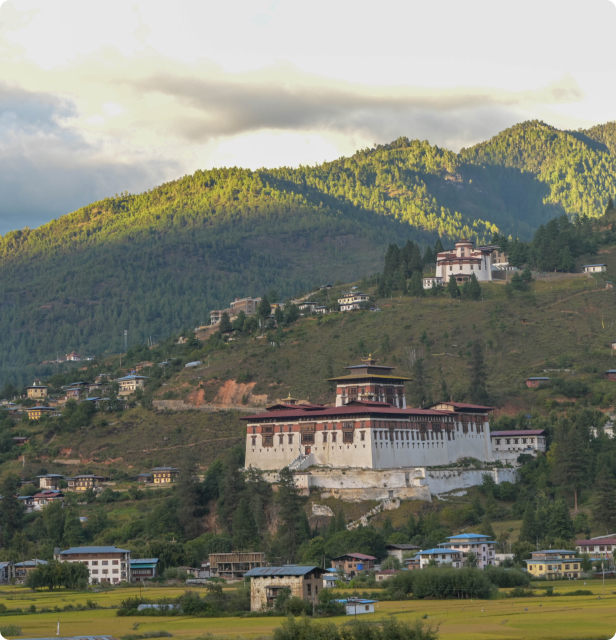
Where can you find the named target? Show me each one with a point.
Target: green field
(557, 617)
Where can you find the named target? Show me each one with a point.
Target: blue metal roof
(30, 563)
(133, 377)
(144, 561)
(75, 550)
(280, 571)
(463, 536)
(441, 550)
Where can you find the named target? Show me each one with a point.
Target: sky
(99, 98)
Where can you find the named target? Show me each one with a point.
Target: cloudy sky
(97, 98)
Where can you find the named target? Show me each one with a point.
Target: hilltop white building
(465, 260)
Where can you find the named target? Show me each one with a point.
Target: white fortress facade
(370, 428)
(464, 260)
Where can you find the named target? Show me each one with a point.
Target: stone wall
(297, 584)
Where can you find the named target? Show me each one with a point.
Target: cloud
(282, 98)
(47, 168)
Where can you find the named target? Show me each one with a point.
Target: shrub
(506, 578)
(11, 630)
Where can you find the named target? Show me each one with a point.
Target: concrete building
(607, 429)
(464, 261)
(594, 268)
(508, 445)
(22, 569)
(7, 572)
(385, 574)
(36, 413)
(36, 391)
(476, 543)
(358, 606)
(432, 281)
(597, 548)
(610, 374)
(536, 382)
(106, 564)
(266, 583)
(352, 301)
(165, 475)
(353, 563)
(370, 427)
(43, 498)
(554, 563)
(85, 482)
(50, 481)
(398, 550)
(247, 305)
(442, 555)
(129, 384)
(233, 566)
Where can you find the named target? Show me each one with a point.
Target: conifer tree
(264, 308)
(560, 524)
(73, 531)
(419, 392)
(245, 533)
(416, 286)
(478, 375)
(474, 288)
(604, 512)
(486, 527)
(225, 323)
(11, 509)
(428, 257)
(438, 246)
(291, 529)
(452, 287)
(571, 464)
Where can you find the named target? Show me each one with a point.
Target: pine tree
(245, 533)
(438, 246)
(452, 287)
(188, 495)
(604, 512)
(486, 527)
(566, 262)
(73, 531)
(473, 291)
(429, 257)
(264, 308)
(11, 509)
(560, 524)
(610, 206)
(416, 286)
(419, 392)
(478, 375)
(416, 262)
(571, 464)
(225, 323)
(291, 529)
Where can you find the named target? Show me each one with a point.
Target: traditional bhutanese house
(385, 574)
(36, 391)
(359, 432)
(43, 498)
(21, 440)
(129, 384)
(512, 443)
(554, 563)
(597, 549)
(50, 480)
(165, 475)
(352, 301)
(35, 413)
(353, 563)
(27, 503)
(6, 571)
(307, 307)
(412, 563)
(476, 543)
(266, 583)
(610, 374)
(398, 550)
(464, 261)
(594, 268)
(234, 565)
(145, 478)
(85, 482)
(22, 569)
(535, 382)
(143, 569)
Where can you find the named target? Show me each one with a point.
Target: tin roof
(466, 536)
(379, 376)
(144, 561)
(530, 432)
(464, 405)
(357, 556)
(293, 570)
(442, 550)
(538, 378)
(587, 543)
(356, 407)
(77, 550)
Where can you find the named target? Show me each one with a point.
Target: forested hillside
(159, 261)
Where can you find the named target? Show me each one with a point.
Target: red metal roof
(530, 432)
(588, 543)
(382, 408)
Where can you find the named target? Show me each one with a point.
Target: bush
(442, 583)
(581, 592)
(506, 578)
(11, 630)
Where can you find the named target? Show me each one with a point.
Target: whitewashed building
(432, 281)
(464, 261)
(508, 445)
(597, 548)
(353, 300)
(442, 555)
(594, 268)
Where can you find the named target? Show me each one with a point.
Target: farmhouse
(352, 301)
(129, 384)
(610, 374)
(36, 413)
(597, 549)
(165, 475)
(266, 583)
(464, 261)
(106, 564)
(22, 569)
(398, 550)
(535, 382)
(357, 606)
(510, 444)
(36, 391)
(370, 427)
(85, 482)
(432, 281)
(594, 268)
(353, 563)
(233, 566)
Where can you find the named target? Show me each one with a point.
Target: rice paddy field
(557, 617)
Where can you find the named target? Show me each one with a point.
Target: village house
(20, 441)
(73, 356)
(247, 305)
(50, 481)
(610, 374)
(36, 413)
(370, 427)
(36, 391)
(463, 261)
(234, 565)
(353, 301)
(554, 563)
(594, 268)
(385, 574)
(481, 546)
(165, 475)
(307, 307)
(43, 498)
(597, 548)
(398, 550)
(266, 583)
(106, 564)
(129, 384)
(22, 569)
(536, 382)
(353, 563)
(145, 478)
(143, 569)
(508, 445)
(358, 606)
(442, 555)
(607, 429)
(85, 482)
(432, 281)
(7, 571)
(413, 563)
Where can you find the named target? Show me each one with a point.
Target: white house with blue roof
(476, 543)
(129, 384)
(105, 564)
